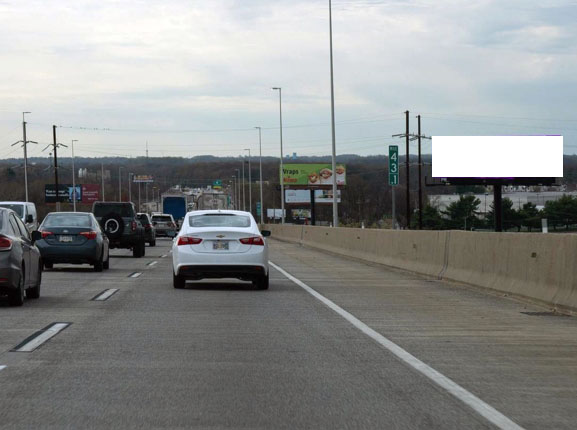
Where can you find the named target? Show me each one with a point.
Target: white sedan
(220, 244)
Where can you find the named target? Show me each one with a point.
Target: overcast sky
(194, 77)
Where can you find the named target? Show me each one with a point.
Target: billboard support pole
(394, 215)
(408, 172)
(313, 211)
(498, 207)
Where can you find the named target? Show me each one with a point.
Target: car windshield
(123, 210)
(162, 218)
(19, 209)
(219, 220)
(67, 220)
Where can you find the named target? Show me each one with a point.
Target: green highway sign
(258, 208)
(393, 165)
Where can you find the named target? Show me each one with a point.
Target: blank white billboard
(497, 156)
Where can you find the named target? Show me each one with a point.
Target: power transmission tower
(24, 143)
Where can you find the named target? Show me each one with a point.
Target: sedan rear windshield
(219, 220)
(162, 218)
(66, 220)
(19, 209)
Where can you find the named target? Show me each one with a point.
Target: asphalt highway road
(220, 354)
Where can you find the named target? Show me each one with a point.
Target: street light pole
(249, 183)
(260, 175)
(130, 186)
(281, 155)
(73, 178)
(237, 189)
(334, 158)
(119, 184)
(25, 155)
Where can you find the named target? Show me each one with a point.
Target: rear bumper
(8, 280)
(83, 254)
(196, 272)
(170, 232)
(126, 241)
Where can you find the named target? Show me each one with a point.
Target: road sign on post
(393, 165)
(393, 178)
(258, 209)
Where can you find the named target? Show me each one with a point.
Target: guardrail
(540, 268)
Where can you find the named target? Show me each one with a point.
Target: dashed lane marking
(478, 405)
(152, 263)
(40, 337)
(135, 275)
(104, 295)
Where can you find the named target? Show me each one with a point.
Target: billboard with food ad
(313, 175)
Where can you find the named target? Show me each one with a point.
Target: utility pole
(129, 187)
(420, 163)
(73, 178)
(24, 145)
(119, 184)
(55, 146)
(406, 135)
(334, 155)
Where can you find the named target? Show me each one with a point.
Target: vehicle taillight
(171, 225)
(133, 225)
(45, 234)
(187, 240)
(256, 240)
(88, 234)
(5, 244)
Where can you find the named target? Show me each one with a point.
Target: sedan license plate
(220, 246)
(65, 239)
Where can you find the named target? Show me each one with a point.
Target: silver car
(164, 225)
(20, 260)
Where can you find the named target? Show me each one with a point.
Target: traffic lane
(65, 295)
(524, 365)
(220, 354)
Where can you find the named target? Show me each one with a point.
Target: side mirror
(36, 235)
(265, 233)
(29, 219)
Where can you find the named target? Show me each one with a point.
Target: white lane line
(152, 263)
(134, 275)
(478, 405)
(2, 367)
(105, 294)
(163, 256)
(40, 337)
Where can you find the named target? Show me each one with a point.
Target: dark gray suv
(119, 222)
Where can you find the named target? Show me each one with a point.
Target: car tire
(99, 265)
(178, 281)
(16, 298)
(106, 264)
(48, 265)
(34, 292)
(261, 283)
(153, 242)
(143, 248)
(136, 251)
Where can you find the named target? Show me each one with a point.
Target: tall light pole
(73, 178)
(249, 183)
(102, 178)
(234, 191)
(335, 204)
(260, 174)
(130, 186)
(119, 184)
(281, 156)
(238, 189)
(24, 144)
(243, 196)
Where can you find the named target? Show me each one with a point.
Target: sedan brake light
(188, 240)
(88, 234)
(5, 244)
(46, 234)
(255, 240)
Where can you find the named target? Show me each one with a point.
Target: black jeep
(119, 222)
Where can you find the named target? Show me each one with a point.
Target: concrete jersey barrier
(535, 267)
